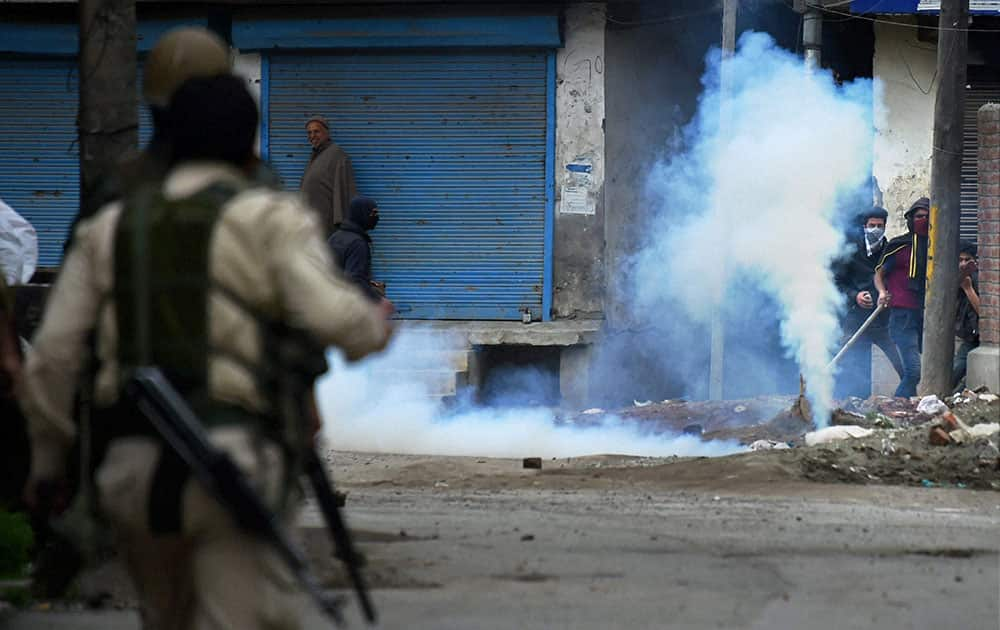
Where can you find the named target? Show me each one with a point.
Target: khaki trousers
(211, 576)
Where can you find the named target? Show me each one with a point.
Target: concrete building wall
(905, 70)
(653, 81)
(578, 250)
(653, 84)
(984, 362)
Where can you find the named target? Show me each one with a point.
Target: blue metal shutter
(39, 153)
(39, 163)
(453, 147)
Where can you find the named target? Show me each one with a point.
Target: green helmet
(183, 53)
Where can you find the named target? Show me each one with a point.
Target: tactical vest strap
(162, 282)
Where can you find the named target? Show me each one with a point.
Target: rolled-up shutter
(453, 147)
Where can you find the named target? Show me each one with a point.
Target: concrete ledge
(488, 333)
(984, 368)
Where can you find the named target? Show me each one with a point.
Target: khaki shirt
(266, 250)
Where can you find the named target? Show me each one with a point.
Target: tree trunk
(108, 119)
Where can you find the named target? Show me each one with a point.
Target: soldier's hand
(864, 299)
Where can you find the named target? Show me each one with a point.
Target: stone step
(457, 360)
(421, 339)
(438, 383)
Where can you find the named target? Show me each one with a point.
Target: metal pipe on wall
(812, 37)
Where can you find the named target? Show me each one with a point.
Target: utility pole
(946, 181)
(718, 347)
(108, 118)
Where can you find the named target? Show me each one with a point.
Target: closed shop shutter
(977, 95)
(453, 146)
(39, 153)
(39, 163)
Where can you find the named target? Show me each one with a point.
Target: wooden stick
(855, 336)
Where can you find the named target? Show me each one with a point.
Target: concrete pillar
(574, 376)
(984, 361)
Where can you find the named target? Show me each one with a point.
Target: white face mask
(874, 234)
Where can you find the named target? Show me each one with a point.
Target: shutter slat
(453, 147)
(975, 97)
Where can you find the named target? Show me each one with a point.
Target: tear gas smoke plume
(380, 405)
(753, 193)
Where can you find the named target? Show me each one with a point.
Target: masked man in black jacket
(854, 275)
(351, 245)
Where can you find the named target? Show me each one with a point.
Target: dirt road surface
(616, 542)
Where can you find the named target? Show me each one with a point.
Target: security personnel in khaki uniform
(222, 264)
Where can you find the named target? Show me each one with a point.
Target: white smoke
(752, 195)
(382, 405)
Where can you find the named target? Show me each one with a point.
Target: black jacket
(352, 250)
(856, 273)
(966, 318)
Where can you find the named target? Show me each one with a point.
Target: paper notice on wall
(575, 193)
(575, 200)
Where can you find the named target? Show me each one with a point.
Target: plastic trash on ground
(768, 445)
(969, 434)
(836, 434)
(931, 405)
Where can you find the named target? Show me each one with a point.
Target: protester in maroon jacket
(900, 278)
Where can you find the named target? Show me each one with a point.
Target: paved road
(558, 554)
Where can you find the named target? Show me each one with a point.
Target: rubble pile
(881, 440)
(922, 442)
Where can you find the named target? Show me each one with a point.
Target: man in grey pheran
(328, 181)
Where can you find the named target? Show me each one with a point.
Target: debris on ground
(836, 433)
(931, 405)
(768, 445)
(956, 448)
(880, 439)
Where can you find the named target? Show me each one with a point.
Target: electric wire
(875, 20)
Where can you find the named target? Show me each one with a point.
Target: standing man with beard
(328, 181)
(854, 276)
(901, 280)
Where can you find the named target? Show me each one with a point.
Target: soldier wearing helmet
(208, 276)
(181, 54)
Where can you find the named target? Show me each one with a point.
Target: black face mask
(372, 222)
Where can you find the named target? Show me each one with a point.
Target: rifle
(299, 361)
(323, 489)
(180, 428)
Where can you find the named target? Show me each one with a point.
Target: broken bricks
(939, 437)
